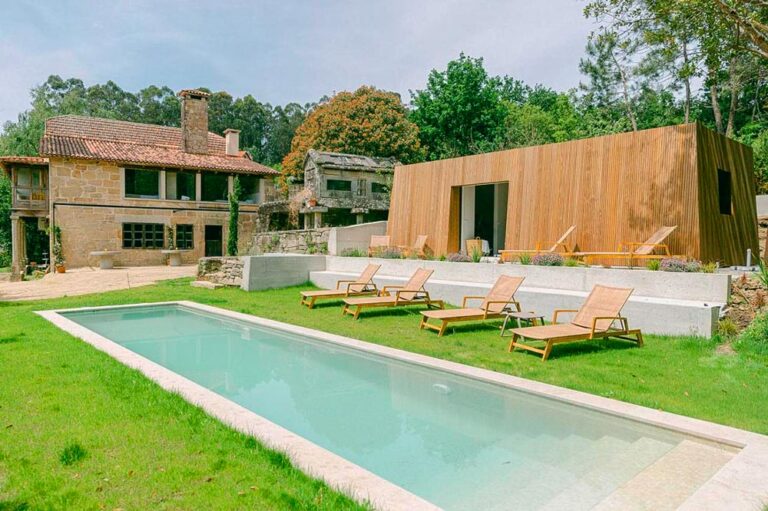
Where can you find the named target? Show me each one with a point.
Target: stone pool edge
(742, 483)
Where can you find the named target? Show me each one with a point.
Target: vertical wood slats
(615, 188)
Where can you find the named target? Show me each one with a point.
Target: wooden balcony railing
(25, 197)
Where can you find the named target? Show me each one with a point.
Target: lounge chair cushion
(545, 332)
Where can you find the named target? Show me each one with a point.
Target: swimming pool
(455, 441)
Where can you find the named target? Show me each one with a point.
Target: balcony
(30, 197)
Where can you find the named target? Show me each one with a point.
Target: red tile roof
(93, 138)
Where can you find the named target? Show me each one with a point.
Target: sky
(283, 51)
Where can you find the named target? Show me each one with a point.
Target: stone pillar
(163, 192)
(359, 218)
(198, 186)
(18, 247)
(318, 220)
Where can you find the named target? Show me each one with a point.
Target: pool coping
(742, 483)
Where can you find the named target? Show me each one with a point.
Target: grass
(129, 444)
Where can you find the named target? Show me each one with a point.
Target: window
(379, 188)
(215, 187)
(180, 186)
(249, 189)
(339, 185)
(142, 184)
(724, 191)
(143, 235)
(184, 236)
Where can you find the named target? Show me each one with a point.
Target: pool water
(457, 442)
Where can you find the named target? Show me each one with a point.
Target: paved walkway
(83, 281)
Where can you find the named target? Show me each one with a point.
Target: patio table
(106, 258)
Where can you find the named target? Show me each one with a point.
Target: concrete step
(665, 484)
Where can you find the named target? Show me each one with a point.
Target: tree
(461, 110)
(368, 121)
(234, 216)
(280, 131)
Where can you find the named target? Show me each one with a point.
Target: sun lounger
(412, 293)
(378, 244)
(599, 317)
(418, 248)
(632, 251)
(361, 286)
(560, 244)
(499, 298)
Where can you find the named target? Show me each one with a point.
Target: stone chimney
(232, 138)
(194, 121)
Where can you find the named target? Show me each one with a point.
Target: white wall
(354, 236)
(762, 206)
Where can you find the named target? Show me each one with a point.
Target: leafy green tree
(280, 130)
(461, 111)
(368, 121)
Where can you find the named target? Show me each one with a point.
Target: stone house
(125, 187)
(339, 189)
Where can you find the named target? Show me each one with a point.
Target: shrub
(71, 454)
(678, 265)
(525, 259)
(653, 264)
(727, 328)
(571, 262)
(390, 253)
(476, 255)
(710, 267)
(441, 258)
(457, 257)
(754, 339)
(353, 252)
(762, 274)
(548, 260)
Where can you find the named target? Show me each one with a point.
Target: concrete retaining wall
(663, 303)
(354, 237)
(762, 206)
(279, 270)
(227, 271)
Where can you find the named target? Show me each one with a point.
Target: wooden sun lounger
(632, 251)
(500, 297)
(378, 244)
(597, 319)
(363, 285)
(412, 293)
(560, 244)
(418, 248)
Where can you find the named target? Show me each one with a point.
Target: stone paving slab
(81, 281)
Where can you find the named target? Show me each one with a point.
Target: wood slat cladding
(614, 188)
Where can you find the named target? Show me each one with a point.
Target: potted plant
(58, 255)
(312, 202)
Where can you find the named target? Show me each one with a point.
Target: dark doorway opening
(36, 242)
(484, 212)
(213, 241)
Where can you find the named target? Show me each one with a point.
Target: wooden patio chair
(418, 248)
(363, 285)
(632, 251)
(378, 244)
(412, 293)
(598, 318)
(493, 305)
(560, 244)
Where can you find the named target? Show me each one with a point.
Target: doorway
(36, 241)
(213, 241)
(484, 214)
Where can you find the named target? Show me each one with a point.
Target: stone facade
(89, 206)
(227, 271)
(194, 121)
(302, 241)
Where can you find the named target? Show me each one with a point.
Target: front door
(213, 241)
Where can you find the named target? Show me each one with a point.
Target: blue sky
(282, 51)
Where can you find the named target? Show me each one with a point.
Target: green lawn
(144, 448)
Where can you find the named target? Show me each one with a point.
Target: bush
(457, 257)
(548, 260)
(709, 267)
(678, 265)
(476, 255)
(754, 339)
(390, 253)
(653, 264)
(571, 262)
(353, 252)
(525, 259)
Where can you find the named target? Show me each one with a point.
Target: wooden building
(615, 188)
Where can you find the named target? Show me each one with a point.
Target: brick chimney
(232, 138)
(194, 121)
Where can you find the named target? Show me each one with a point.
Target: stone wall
(89, 207)
(300, 241)
(227, 271)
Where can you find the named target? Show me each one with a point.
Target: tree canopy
(368, 121)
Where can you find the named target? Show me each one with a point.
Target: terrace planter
(60, 268)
